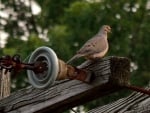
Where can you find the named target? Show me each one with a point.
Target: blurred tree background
(64, 25)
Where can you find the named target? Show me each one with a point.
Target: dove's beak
(109, 30)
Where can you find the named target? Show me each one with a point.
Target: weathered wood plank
(109, 72)
(4, 84)
(134, 103)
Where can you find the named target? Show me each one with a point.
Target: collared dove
(96, 47)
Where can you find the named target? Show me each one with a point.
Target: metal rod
(138, 89)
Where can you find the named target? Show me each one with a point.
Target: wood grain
(134, 103)
(109, 74)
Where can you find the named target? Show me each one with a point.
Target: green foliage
(59, 36)
(71, 22)
(52, 10)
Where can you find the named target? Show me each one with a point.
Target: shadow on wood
(109, 73)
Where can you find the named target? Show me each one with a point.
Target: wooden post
(4, 84)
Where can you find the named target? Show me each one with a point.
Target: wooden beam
(109, 73)
(134, 103)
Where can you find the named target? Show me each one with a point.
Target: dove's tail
(74, 58)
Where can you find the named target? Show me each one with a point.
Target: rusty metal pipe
(70, 72)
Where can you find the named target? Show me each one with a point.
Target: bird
(94, 48)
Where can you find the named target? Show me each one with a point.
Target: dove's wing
(94, 45)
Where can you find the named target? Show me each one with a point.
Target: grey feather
(96, 47)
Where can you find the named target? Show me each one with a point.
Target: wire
(27, 57)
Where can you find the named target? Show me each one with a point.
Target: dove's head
(106, 29)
